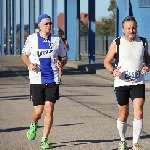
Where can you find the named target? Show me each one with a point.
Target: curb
(103, 73)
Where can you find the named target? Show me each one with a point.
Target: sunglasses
(48, 23)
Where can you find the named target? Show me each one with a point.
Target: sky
(101, 7)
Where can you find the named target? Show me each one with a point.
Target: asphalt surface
(84, 117)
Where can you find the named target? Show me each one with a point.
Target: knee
(49, 110)
(138, 114)
(123, 116)
(38, 112)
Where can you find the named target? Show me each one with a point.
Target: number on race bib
(131, 75)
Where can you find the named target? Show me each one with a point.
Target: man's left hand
(58, 63)
(145, 69)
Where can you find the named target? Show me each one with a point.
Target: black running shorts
(39, 93)
(123, 93)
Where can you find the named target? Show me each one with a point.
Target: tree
(108, 28)
(112, 8)
(83, 29)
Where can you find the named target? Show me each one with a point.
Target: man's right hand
(32, 66)
(116, 72)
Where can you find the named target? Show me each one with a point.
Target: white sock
(122, 128)
(137, 128)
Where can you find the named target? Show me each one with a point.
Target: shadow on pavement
(14, 97)
(80, 142)
(4, 74)
(16, 129)
(95, 66)
(72, 71)
(82, 69)
(84, 85)
(71, 124)
(146, 136)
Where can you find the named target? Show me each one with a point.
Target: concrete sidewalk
(97, 68)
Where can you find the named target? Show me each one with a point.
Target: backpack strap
(117, 40)
(143, 40)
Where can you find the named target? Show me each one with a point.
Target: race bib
(132, 75)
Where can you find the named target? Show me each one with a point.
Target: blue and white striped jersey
(44, 53)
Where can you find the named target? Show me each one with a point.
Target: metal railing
(101, 44)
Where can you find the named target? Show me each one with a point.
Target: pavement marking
(96, 110)
(15, 72)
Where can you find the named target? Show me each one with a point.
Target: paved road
(84, 117)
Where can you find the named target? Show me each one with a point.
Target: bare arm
(108, 61)
(67, 45)
(145, 69)
(27, 62)
(25, 59)
(146, 55)
(109, 57)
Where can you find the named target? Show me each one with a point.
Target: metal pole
(2, 28)
(33, 15)
(8, 26)
(10, 30)
(40, 7)
(78, 56)
(91, 32)
(65, 18)
(127, 7)
(14, 25)
(106, 43)
(31, 28)
(117, 20)
(21, 25)
(54, 16)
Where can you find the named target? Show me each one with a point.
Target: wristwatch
(112, 71)
(63, 62)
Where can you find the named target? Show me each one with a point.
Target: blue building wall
(142, 15)
(134, 8)
(122, 12)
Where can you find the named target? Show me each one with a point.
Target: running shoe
(122, 146)
(136, 146)
(45, 144)
(31, 134)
